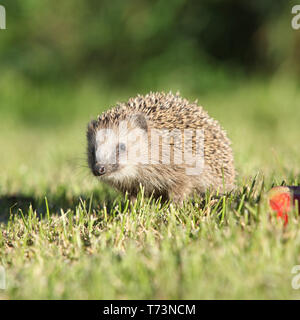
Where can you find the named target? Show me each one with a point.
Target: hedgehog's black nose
(99, 169)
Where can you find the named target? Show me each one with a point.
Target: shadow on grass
(13, 203)
(10, 203)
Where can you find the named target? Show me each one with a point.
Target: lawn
(66, 236)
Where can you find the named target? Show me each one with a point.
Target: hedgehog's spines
(168, 111)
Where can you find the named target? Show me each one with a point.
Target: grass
(65, 236)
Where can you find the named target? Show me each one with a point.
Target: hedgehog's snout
(99, 170)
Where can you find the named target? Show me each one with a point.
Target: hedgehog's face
(115, 152)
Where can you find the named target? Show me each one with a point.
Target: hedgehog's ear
(139, 120)
(92, 125)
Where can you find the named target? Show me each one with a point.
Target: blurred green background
(64, 62)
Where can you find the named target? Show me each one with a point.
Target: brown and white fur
(121, 145)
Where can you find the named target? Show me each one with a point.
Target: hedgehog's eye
(122, 147)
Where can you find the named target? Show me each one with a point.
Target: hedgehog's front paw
(132, 199)
(180, 193)
(177, 199)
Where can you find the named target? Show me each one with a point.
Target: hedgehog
(163, 144)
